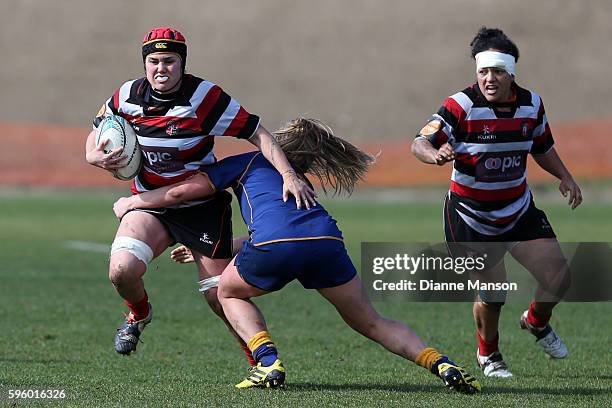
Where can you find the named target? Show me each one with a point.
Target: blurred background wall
(373, 69)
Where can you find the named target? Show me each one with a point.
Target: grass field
(58, 314)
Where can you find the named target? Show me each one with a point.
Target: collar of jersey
(150, 97)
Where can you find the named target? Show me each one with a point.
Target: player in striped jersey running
(176, 117)
(487, 130)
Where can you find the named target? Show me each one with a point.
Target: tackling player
(287, 244)
(176, 117)
(488, 129)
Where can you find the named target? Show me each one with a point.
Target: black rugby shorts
(461, 239)
(205, 228)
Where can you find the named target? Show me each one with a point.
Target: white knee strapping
(208, 283)
(135, 247)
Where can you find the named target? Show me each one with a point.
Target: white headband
(494, 59)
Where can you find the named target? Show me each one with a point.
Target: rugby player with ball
(176, 117)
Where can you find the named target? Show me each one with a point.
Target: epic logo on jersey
(501, 166)
(155, 157)
(162, 159)
(497, 163)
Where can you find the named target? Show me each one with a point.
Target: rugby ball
(120, 134)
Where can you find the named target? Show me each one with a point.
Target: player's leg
(140, 238)
(332, 273)
(235, 294)
(544, 259)
(206, 229)
(208, 284)
(487, 307)
(209, 271)
(357, 311)
(462, 241)
(486, 318)
(248, 321)
(355, 307)
(486, 311)
(147, 238)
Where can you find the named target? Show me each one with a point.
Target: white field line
(87, 246)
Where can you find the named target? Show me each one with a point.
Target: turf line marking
(87, 246)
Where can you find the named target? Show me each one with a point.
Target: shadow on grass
(307, 386)
(487, 390)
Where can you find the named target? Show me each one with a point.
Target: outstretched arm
(195, 187)
(552, 163)
(292, 184)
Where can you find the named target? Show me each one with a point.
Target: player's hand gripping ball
(119, 133)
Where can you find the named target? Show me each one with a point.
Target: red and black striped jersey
(176, 131)
(491, 143)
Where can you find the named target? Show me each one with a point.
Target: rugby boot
(546, 338)
(128, 334)
(265, 377)
(493, 365)
(456, 378)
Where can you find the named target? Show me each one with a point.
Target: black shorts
(533, 224)
(205, 228)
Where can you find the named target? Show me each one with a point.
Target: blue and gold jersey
(259, 189)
